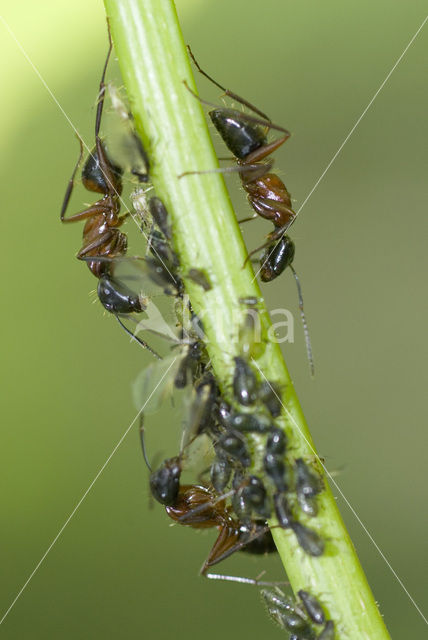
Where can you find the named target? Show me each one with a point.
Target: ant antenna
(137, 339)
(227, 92)
(143, 446)
(261, 121)
(304, 323)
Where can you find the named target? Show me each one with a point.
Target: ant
(246, 137)
(101, 236)
(103, 243)
(199, 507)
(267, 193)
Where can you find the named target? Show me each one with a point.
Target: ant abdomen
(276, 258)
(116, 297)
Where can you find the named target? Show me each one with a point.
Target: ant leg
(142, 177)
(70, 185)
(95, 245)
(143, 343)
(122, 218)
(143, 444)
(254, 171)
(253, 581)
(101, 93)
(275, 235)
(93, 210)
(204, 507)
(104, 163)
(254, 217)
(281, 215)
(267, 149)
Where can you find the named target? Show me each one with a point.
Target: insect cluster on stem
(239, 494)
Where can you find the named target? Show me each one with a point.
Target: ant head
(94, 176)
(116, 297)
(241, 137)
(276, 258)
(165, 481)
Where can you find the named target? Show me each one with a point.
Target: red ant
(267, 193)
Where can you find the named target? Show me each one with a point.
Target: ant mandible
(267, 193)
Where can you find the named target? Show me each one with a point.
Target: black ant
(200, 507)
(246, 138)
(267, 193)
(101, 236)
(103, 242)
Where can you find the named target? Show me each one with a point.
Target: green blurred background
(119, 570)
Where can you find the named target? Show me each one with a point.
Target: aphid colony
(304, 618)
(237, 495)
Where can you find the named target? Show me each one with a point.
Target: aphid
(204, 397)
(276, 442)
(244, 382)
(275, 599)
(273, 461)
(249, 497)
(164, 256)
(160, 216)
(289, 619)
(199, 276)
(308, 539)
(250, 339)
(289, 615)
(312, 606)
(250, 301)
(308, 486)
(248, 422)
(270, 395)
(189, 364)
(276, 470)
(282, 511)
(220, 473)
(233, 444)
(328, 632)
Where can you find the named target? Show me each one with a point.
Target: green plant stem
(154, 63)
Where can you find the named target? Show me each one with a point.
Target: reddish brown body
(101, 236)
(267, 193)
(270, 198)
(198, 507)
